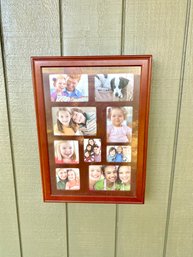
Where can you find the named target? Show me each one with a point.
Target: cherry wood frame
(141, 108)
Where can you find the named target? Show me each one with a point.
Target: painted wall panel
(91, 28)
(157, 28)
(180, 236)
(9, 236)
(31, 28)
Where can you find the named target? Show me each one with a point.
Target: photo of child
(92, 150)
(119, 153)
(124, 175)
(69, 87)
(73, 179)
(67, 179)
(109, 181)
(85, 120)
(66, 151)
(61, 178)
(114, 87)
(62, 121)
(119, 122)
(95, 174)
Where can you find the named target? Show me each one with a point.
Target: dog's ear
(112, 84)
(124, 82)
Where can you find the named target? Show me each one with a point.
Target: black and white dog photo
(115, 83)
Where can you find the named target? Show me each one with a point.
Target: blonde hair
(58, 154)
(75, 76)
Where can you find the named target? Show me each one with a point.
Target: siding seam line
(61, 53)
(177, 125)
(3, 54)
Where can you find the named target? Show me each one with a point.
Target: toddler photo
(119, 124)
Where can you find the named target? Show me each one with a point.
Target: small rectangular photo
(92, 150)
(66, 151)
(110, 178)
(119, 153)
(114, 87)
(67, 179)
(119, 124)
(68, 87)
(69, 121)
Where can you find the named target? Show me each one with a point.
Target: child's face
(64, 117)
(71, 84)
(78, 117)
(95, 173)
(62, 174)
(66, 150)
(89, 147)
(110, 173)
(60, 84)
(119, 149)
(117, 117)
(86, 154)
(71, 175)
(96, 150)
(112, 152)
(125, 174)
(91, 142)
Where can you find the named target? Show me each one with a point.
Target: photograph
(67, 179)
(119, 124)
(110, 178)
(92, 150)
(68, 87)
(114, 87)
(66, 151)
(69, 121)
(119, 153)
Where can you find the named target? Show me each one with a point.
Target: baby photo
(114, 87)
(110, 178)
(119, 153)
(68, 87)
(119, 124)
(92, 150)
(66, 151)
(69, 121)
(67, 179)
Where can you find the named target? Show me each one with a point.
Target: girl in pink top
(117, 131)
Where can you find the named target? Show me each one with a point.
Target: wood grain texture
(180, 236)
(91, 28)
(157, 28)
(9, 240)
(31, 28)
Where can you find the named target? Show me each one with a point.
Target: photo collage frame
(91, 128)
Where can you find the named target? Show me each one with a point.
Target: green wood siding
(163, 226)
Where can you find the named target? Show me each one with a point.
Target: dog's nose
(116, 94)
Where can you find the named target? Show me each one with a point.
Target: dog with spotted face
(117, 85)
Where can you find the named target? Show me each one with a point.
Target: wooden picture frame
(92, 119)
